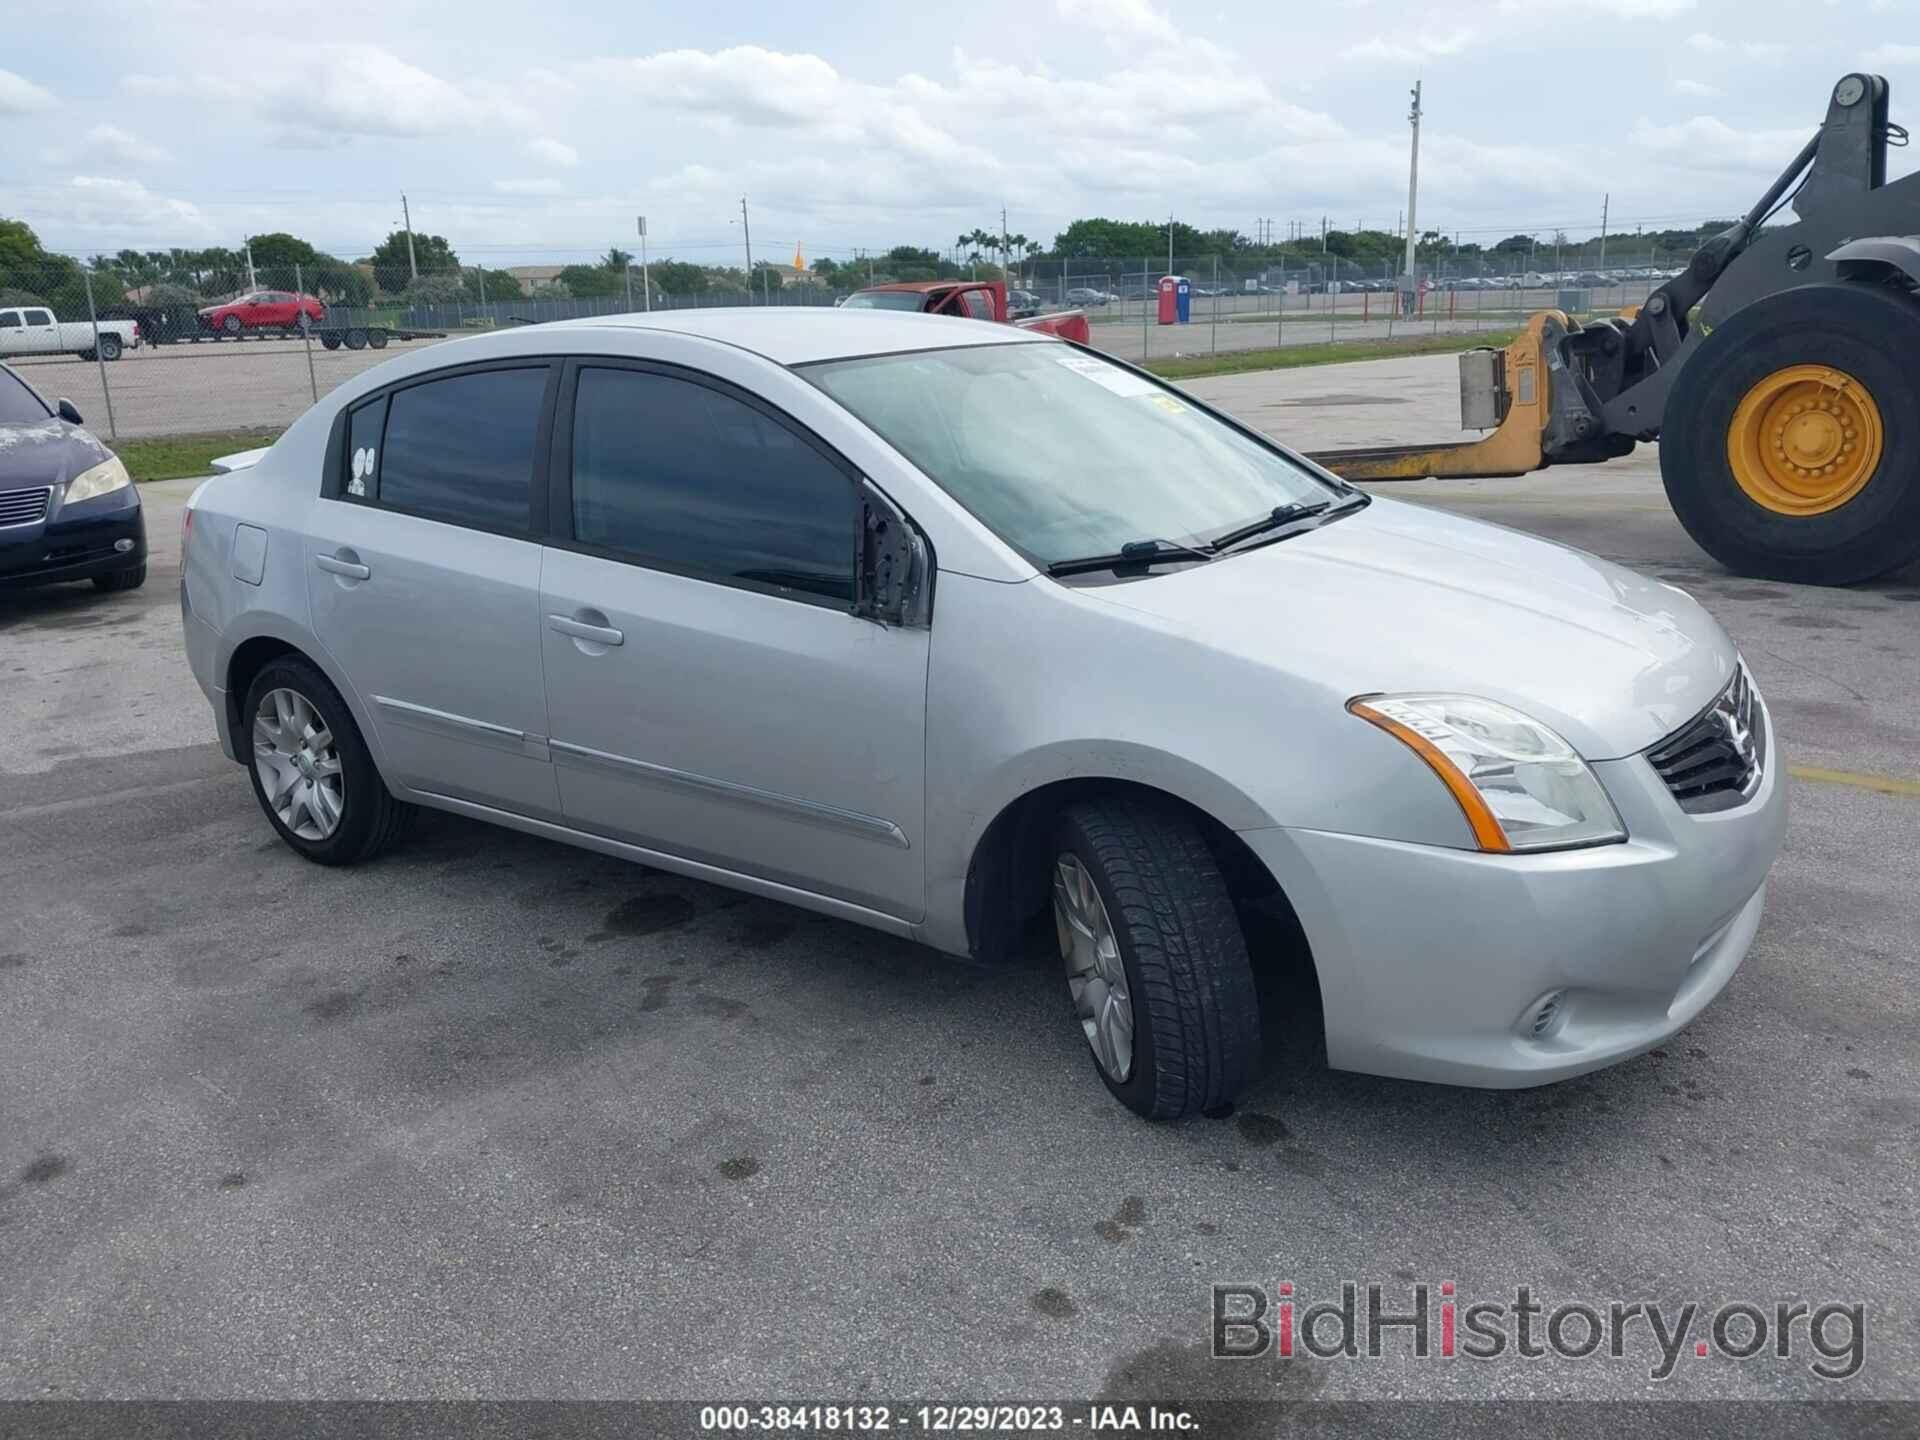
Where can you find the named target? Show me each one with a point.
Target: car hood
(1399, 597)
(48, 453)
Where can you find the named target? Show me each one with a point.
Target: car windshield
(1064, 454)
(885, 300)
(18, 404)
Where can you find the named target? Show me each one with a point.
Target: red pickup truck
(969, 300)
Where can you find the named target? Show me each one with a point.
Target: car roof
(922, 286)
(799, 334)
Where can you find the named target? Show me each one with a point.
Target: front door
(709, 692)
(424, 579)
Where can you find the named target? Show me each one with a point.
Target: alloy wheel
(298, 765)
(1096, 973)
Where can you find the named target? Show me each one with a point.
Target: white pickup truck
(32, 330)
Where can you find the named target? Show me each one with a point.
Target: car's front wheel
(1157, 966)
(311, 769)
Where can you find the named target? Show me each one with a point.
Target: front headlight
(103, 479)
(1519, 784)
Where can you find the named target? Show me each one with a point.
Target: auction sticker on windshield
(1120, 382)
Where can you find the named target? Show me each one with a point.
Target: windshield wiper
(1272, 520)
(1134, 552)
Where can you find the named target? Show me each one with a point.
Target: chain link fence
(245, 351)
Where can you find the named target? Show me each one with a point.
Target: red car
(263, 310)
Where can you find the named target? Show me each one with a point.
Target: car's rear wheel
(1157, 966)
(109, 347)
(131, 579)
(311, 770)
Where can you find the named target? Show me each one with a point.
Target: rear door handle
(581, 630)
(351, 569)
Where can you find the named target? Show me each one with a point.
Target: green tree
(445, 289)
(678, 277)
(591, 281)
(617, 259)
(432, 255)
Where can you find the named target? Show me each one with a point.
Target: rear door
(710, 692)
(423, 573)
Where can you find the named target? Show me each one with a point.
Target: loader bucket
(1511, 392)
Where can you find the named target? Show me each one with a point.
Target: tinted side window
(461, 449)
(9, 319)
(672, 471)
(363, 447)
(979, 304)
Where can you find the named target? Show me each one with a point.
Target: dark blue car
(68, 510)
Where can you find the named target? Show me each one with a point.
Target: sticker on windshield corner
(1167, 403)
(1112, 377)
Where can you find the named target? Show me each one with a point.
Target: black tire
(356, 339)
(86, 355)
(230, 324)
(1196, 1014)
(331, 339)
(1872, 334)
(131, 579)
(371, 819)
(377, 339)
(109, 347)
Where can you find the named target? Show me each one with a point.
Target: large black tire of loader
(1870, 332)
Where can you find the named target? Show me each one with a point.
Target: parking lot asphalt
(495, 1117)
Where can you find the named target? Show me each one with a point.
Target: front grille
(1714, 761)
(24, 507)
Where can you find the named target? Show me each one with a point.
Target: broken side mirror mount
(894, 584)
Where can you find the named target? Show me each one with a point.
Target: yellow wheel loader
(1780, 372)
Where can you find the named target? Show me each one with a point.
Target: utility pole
(646, 286)
(1606, 202)
(1413, 184)
(1169, 244)
(252, 282)
(1003, 241)
(746, 233)
(413, 268)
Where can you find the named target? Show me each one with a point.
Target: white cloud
(1708, 143)
(110, 147)
(105, 206)
(1615, 9)
(1696, 88)
(1706, 44)
(542, 186)
(19, 95)
(1411, 49)
(1118, 20)
(1894, 55)
(1767, 50)
(348, 90)
(553, 152)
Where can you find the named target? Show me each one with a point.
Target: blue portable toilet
(1183, 298)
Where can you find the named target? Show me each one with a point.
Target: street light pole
(413, 269)
(1413, 186)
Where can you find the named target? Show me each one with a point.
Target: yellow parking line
(1885, 784)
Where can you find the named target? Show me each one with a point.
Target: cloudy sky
(533, 132)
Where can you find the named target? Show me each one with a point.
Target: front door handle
(351, 569)
(581, 630)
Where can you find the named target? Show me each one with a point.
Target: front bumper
(1433, 962)
(76, 542)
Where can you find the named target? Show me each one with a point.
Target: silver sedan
(937, 628)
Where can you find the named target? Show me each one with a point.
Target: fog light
(123, 545)
(1544, 1016)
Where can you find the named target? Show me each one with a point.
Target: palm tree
(616, 258)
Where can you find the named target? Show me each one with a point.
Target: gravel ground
(495, 1117)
